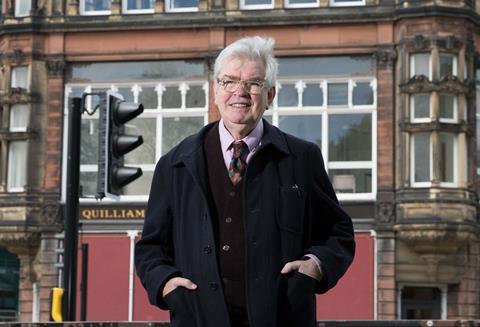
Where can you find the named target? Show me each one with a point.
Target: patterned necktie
(237, 166)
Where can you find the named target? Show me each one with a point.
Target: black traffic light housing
(114, 144)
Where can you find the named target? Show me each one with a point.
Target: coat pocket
(290, 219)
(181, 313)
(301, 300)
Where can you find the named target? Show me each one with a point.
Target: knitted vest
(227, 209)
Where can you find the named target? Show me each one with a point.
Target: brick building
(386, 88)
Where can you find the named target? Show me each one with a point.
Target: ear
(271, 95)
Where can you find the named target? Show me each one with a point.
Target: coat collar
(191, 147)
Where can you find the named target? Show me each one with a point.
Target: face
(240, 110)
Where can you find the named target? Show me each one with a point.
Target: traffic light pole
(72, 209)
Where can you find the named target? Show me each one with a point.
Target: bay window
(420, 64)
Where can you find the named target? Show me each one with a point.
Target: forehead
(243, 68)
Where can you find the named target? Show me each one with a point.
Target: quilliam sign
(112, 213)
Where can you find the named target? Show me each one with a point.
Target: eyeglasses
(252, 87)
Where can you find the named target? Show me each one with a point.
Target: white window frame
(169, 8)
(159, 113)
(84, 12)
(412, 110)
(455, 109)
(352, 3)
(19, 128)
(443, 291)
(18, 13)
(455, 161)
(454, 62)
(412, 162)
(12, 166)
(324, 111)
(125, 9)
(243, 6)
(13, 76)
(315, 4)
(412, 64)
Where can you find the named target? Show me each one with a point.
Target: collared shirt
(253, 141)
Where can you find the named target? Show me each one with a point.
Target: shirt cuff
(317, 261)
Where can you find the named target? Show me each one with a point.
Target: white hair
(253, 48)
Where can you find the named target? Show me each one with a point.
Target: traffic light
(114, 144)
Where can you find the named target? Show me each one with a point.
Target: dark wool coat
(290, 210)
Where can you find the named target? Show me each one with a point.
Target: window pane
(97, 5)
(421, 157)
(145, 153)
(140, 186)
(171, 97)
(421, 106)
(345, 66)
(140, 4)
(257, 2)
(306, 127)
(196, 97)
(287, 96)
(337, 94)
(17, 165)
(89, 142)
(421, 303)
(447, 159)
(351, 180)
(446, 65)
(88, 183)
(184, 3)
(350, 137)
(362, 94)
(148, 97)
(420, 64)
(313, 95)
(177, 128)
(300, 2)
(446, 103)
(23, 7)
(19, 117)
(20, 77)
(126, 92)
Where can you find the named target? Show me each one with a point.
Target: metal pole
(84, 283)
(71, 208)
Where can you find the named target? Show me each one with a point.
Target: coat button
(213, 286)
(228, 220)
(232, 194)
(226, 247)
(207, 249)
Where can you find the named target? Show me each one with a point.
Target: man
(243, 226)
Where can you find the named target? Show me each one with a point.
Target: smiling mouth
(240, 105)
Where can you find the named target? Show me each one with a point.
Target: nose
(241, 90)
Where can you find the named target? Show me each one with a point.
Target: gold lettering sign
(98, 213)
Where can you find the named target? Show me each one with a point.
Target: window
(333, 105)
(256, 4)
(9, 285)
(301, 3)
(19, 77)
(423, 302)
(175, 107)
(181, 5)
(420, 65)
(421, 159)
(95, 7)
(447, 107)
(347, 2)
(19, 118)
(138, 6)
(17, 166)
(447, 65)
(420, 108)
(448, 155)
(22, 8)
(477, 115)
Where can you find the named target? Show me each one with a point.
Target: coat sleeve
(154, 255)
(331, 235)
